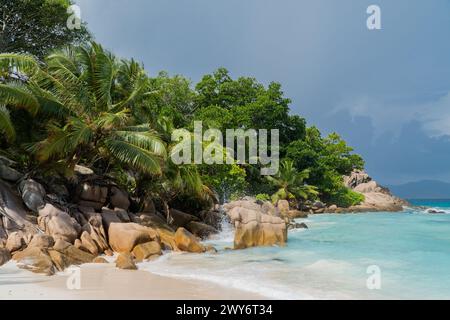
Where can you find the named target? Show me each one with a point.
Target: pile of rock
(45, 236)
(377, 198)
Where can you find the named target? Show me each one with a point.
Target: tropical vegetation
(72, 102)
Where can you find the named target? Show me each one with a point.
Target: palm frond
(148, 140)
(6, 125)
(137, 157)
(17, 94)
(18, 62)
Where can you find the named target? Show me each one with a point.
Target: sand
(104, 281)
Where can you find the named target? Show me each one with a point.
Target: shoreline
(105, 281)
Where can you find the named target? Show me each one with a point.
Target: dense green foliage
(82, 105)
(36, 26)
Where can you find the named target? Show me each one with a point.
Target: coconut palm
(91, 98)
(290, 183)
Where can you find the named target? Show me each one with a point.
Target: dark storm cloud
(386, 91)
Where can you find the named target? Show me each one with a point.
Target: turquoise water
(330, 260)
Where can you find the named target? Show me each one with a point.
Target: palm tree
(290, 183)
(91, 98)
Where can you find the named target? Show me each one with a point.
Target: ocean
(383, 255)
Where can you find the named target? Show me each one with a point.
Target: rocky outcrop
(377, 198)
(255, 228)
(123, 237)
(58, 224)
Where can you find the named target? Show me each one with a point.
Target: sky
(386, 92)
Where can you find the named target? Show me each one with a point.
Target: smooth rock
(5, 256)
(186, 241)
(283, 207)
(200, 229)
(58, 224)
(145, 250)
(125, 261)
(100, 260)
(119, 198)
(123, 237)
(43, 241)
(9, 174)
(181, 219)
(15, 241)
(253, 228)
(36, 260)
(33, 194)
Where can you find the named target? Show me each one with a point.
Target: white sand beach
(104, 281)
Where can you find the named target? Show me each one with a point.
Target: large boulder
(253, 228)
(248, 204)
(146, 250)
(283, 207)
(200, 229)
(36, 260)
(119, 198)
(376, 197)
(181, 219)
(123, 237)
(15, 241)
(65, 255)
(33, 194)
(109, 216)
(92, 195)
(125, 261)
(58, 223)
(5, 256)
(186, 241)
(88, 244)
(12, 209)
(9, 174)
(43, 241)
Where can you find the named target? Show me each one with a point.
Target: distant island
(423, 189)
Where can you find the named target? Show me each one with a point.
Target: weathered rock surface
(119, 198)
(5, 256)
(15, 241)
(100, 260)
(9, 174)
(36, 260)
(200, 229)
(181, 219)
(186, 241)
(125, 261)
(254, 228)
(12, 209)
(377, 198)
(65, 255)
(58, 223)
(123, 237)
(42, 241)
(146, 250)
(92, 195)
(33, 194)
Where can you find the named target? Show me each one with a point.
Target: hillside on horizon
(423, 189)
